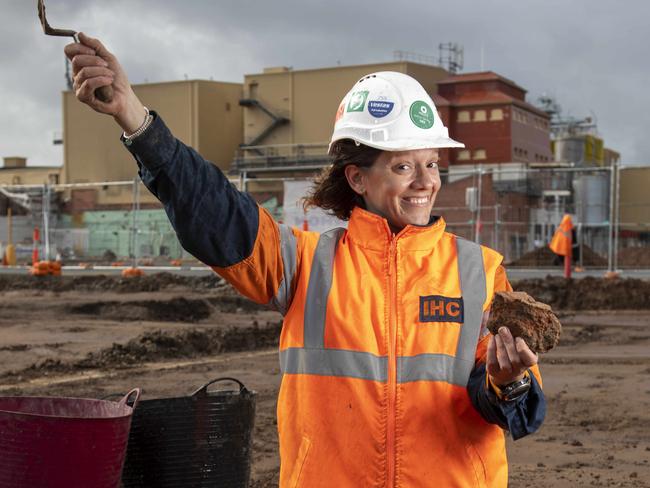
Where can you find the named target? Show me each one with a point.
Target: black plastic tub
(202, 440)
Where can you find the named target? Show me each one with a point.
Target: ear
(355, 178)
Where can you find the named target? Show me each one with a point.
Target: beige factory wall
(220, 122)
(192, 110)
(635, 198)
(273, 90)
(310, 98)
(30, 175)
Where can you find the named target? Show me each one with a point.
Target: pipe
(610, 260)
(617, 229)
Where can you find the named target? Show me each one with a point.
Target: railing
(281, 156)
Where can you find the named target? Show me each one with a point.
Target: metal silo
(592, 198)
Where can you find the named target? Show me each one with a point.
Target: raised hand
(93, 67)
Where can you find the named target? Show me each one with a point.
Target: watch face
(515, 391)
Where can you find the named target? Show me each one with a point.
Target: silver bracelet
(140, 130)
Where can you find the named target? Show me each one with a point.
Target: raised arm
(221, 226)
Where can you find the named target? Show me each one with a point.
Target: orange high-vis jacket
(380, 335)
(561, 241)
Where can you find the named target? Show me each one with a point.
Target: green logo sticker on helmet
(421, 114)
(358, 101)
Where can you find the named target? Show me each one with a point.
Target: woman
(389, 376)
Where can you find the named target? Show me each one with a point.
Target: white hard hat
(390, 111)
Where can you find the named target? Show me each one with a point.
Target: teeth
(419, 201)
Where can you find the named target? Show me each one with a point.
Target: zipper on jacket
(392, 363)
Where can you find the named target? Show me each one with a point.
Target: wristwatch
(512, 391)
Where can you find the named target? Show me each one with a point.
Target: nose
(425, 178)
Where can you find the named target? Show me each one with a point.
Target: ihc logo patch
(436, 308)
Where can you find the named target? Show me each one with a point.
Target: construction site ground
(95, 336)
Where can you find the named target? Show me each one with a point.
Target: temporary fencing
(512, 207)
(108, 222)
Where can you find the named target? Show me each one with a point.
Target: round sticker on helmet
(421, 114)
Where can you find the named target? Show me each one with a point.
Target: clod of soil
(533, 321)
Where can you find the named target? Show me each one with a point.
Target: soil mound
(175, 310)
(543, 256)
(147, 283)
(633, 257)
(160, 345)
(588, 293)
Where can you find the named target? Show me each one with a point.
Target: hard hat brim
(406, 145)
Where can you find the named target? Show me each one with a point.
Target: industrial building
(16, 172)
(204, 114)
(508, 184)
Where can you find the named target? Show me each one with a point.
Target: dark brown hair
(331, 190)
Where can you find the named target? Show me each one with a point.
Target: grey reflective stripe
(316, 360)
(432, 367)
(318, 290)
(334, 362)
(441, 367)
(282, 299)
(473, 289)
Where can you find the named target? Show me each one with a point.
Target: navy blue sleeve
(521, 417)
(213, 220)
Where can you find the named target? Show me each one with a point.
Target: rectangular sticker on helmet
(357, 101)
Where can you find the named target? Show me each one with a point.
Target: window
(463, 116)
(496, 114)
(480, 154)
(53, 179)
(479, 116)
(463, 155)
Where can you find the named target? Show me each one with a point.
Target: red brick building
(489, 113)
(501, 132)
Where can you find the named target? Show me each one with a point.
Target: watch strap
(511, 391)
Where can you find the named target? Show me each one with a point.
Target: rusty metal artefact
(104, 93)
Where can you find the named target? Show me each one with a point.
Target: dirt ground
(95, 336)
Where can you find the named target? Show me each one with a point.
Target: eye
(432, 165)
(403, 166)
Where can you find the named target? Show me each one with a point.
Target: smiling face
(399, 186)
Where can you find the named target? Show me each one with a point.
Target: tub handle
(125, 398)
(204, 389)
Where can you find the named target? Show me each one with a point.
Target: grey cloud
(590, 55)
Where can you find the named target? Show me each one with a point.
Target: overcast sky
(591, 55)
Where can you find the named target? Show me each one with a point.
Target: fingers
(86, 91)
(91, 72)
(74, 49)
(511, 353)
(492, 363)
(528, 357)
(502, 356)
(95, 45)
(88, 78)
(508, 358)
(81, 61)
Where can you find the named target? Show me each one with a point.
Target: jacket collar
(372, 231)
